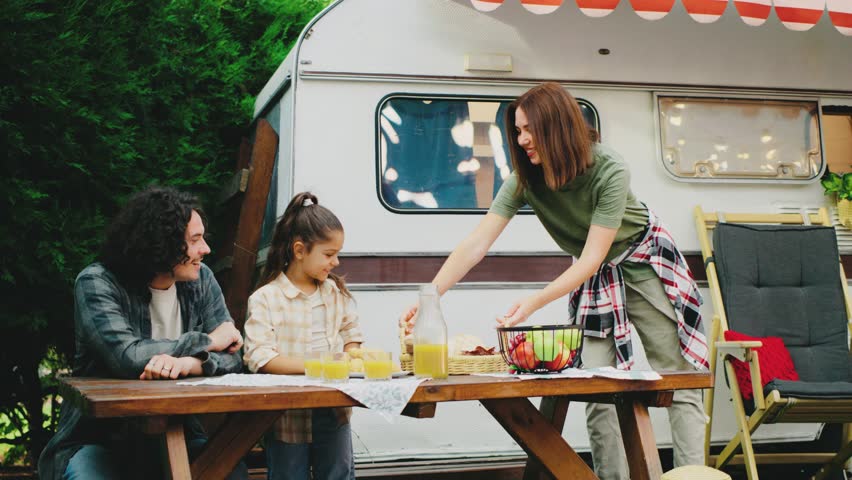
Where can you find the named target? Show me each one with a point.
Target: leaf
(846, 187)
(831, 183)
(829, 186)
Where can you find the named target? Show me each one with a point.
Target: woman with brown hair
(626, 273)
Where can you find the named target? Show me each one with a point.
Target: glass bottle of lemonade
(430, 336)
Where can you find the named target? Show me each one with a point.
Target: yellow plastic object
(844, 212)
(695, 472)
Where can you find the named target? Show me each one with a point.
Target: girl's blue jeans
(329, 455)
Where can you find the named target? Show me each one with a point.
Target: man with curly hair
(148, 309)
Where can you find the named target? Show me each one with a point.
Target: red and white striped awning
(794, 14)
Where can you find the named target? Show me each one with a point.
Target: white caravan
(389, 111)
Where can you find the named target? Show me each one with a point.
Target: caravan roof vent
(492, 62)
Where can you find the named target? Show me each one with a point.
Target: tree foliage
(98, 100)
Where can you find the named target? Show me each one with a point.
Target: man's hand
(167, 367)
(225, 337)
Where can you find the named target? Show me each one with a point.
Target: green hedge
(98, 99)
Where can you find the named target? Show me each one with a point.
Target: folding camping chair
(779, 275)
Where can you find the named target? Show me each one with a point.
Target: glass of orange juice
(335, 367)
(313, 365)
(377, 365)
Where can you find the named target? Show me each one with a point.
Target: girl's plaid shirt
(279, 323)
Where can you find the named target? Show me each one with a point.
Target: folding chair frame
(770, 408)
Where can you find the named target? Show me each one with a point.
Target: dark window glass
(445, 153)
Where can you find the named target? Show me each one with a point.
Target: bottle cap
(428, 289)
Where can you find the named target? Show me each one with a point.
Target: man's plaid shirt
(113, 339)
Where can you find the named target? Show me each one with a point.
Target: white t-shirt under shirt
(319, 338)
(165, 314)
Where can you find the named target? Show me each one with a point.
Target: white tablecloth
(388, 398)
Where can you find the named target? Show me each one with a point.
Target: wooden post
(537, 436)
(554, 409)
(638, 435)
(177, 464)
(237, 283)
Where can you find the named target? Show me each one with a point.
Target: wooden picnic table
(159, 405)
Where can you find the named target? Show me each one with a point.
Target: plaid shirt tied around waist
(602, 298)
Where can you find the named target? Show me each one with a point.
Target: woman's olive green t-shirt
(601, 196)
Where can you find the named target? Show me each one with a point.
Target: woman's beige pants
(656, 325)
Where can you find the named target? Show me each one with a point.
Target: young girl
(301, 307)
(627, 272)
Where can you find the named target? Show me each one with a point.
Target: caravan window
(444, 153)
(743, 139)
(837, 137)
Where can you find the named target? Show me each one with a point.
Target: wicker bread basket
(458, 364)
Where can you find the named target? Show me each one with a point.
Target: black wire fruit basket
(541, 348)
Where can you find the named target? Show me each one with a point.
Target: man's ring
(166, 368)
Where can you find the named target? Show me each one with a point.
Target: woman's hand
(519, 312)
(167, 367)
(598, 243)
(408, 318)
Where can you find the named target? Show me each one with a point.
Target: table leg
(176, 454)
(230, 443)
(554, 410)
(538, 437)
(638, 434)
(420, 410)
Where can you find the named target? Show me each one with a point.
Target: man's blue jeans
(330, 453)
(95, 462)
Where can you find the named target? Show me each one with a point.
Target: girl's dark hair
(309, 224)
(563, 139)
(148, 236)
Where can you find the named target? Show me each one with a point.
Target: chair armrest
(737, 349)
(744, 350)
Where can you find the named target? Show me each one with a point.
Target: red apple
(562, 360)
(514, 341)
(524, 356)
